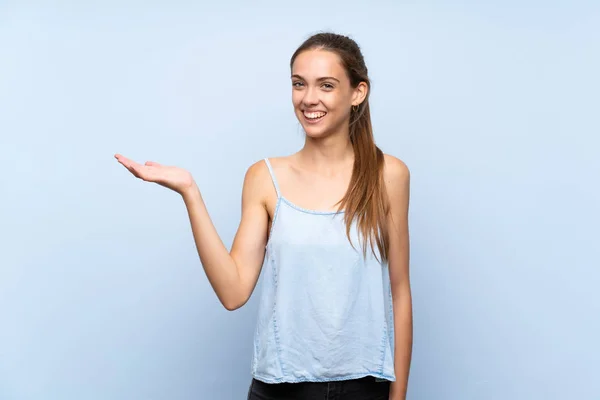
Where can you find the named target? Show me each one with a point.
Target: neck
(328, 154)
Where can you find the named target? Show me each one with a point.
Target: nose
(311, 97)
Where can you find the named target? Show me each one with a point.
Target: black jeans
(355, 389)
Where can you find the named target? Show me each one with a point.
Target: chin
(316, 132)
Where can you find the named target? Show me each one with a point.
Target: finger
(120, 157)
(127, 163)
(123, 160)
(138, 170)
(131, 166)
(152, 164)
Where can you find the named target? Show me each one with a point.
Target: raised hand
(174, 178)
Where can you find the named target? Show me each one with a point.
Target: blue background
(495, 108)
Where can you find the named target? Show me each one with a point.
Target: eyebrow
(319, 79)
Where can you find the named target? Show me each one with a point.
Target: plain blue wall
(495, 108)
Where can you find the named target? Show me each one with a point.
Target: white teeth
(314, 115)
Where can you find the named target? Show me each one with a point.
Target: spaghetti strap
(273, 177)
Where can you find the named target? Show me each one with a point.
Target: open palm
(174, 178)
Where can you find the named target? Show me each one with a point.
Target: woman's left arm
(397, 180)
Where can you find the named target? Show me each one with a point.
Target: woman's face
(321, 93)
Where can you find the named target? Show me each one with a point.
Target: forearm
(219, 266)
(403, 332)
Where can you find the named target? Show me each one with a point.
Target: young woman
(328, 228)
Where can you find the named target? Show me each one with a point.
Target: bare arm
(232, 275)
(397, 177)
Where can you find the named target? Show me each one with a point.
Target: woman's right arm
(233, 275)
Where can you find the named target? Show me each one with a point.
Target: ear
(360, 94)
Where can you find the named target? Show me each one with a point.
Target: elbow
(233, 304)
(234, 298)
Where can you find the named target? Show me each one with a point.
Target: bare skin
(316, 178)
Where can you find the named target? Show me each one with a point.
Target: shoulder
(259, 170)
(396, 176)
(395, 172)
(258, 178)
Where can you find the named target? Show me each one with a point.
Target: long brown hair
(366, 199)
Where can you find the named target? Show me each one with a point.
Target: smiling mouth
(314, 116)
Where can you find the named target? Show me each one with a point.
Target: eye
(297, 84)
(328, 86)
